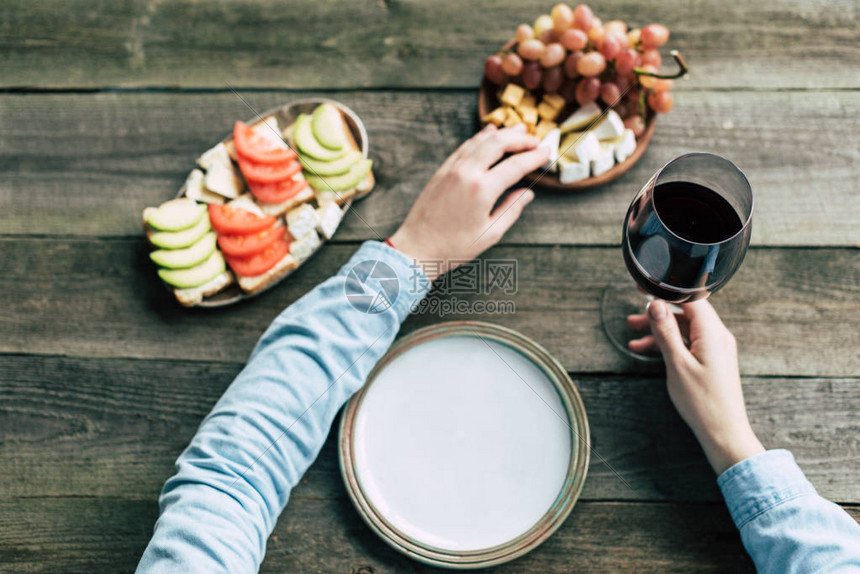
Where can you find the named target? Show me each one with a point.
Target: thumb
(666, 332)
(509, 210)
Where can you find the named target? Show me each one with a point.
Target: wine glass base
(620, 299)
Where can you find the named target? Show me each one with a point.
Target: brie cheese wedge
(625, 145)
(581, 118)
(570, 170)
(195, 189)
(610, 127)
(551, 141)
(604, 160)
(247, 203)
(580, 146)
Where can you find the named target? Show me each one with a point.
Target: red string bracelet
(388, 243)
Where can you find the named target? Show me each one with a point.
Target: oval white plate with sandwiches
(312, 167)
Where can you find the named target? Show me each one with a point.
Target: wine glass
(685, 235)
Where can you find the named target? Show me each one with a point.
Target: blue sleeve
(786, 527)
(235, 477)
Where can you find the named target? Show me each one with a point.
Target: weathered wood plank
(344, 44)
(109, 535)
(88, 164)
(794, 311)
(73, 427)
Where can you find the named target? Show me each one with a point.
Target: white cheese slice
(610, 127)
(580, 146)
(268, 130)
(223, 180)
(581, 118)
(302, 220)
(329, 216)
(551, 141)
(247, 203)
(625, 145)
(302, 247)
(218, 155)
(195, 189)
(570, 170)
(604, 160)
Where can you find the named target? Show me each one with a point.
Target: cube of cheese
(570, 170)
(496, 117)
(302, 247)
(580, 146)
(512, 119)
(555, 101)
(610, 127)
(547, 112)
(512, 95)
(544, 127)
(302, 220)
(528, 101)
(530, 116)
(329, 216)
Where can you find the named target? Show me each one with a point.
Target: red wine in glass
(685, 235)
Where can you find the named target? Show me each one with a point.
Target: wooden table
(103, 379)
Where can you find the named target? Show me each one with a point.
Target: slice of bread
(282, 268)
(194, 295)
(278, 209)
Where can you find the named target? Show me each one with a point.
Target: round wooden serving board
(488, 101)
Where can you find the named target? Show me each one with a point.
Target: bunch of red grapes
(572, 53)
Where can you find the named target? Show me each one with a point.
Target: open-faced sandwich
(263, 202)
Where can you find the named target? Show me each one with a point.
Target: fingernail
(527, 197)
(656, 310)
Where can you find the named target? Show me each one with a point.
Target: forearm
(235, 477)
(785, 525)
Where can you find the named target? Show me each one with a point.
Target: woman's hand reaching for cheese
(454, 220)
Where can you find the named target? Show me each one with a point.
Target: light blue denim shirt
(235, 477)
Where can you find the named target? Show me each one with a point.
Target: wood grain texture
(88, 164)
(367, 43)
(794, 311)
(326, 535)
(114, 427)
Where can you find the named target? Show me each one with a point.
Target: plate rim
(555, 515)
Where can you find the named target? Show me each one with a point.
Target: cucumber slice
(174, 215)
(327, 126)
(180, 239)
(338, 166)
(344, 181)
(197, 275)
(307, 143)
(188, 257)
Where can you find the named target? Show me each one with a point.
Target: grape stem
(682, 69)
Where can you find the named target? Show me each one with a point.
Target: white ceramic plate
(467, 447)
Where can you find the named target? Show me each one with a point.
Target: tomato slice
(278, 192)
(255, 147)
(268, 172)
(247, 245)
(236, 221)
(261, 262)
